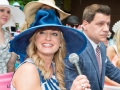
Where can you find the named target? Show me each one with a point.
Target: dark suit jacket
(89, 67)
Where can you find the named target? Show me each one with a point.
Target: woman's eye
(8, 12)
(1, 10)
(55, 34)
(41, 32)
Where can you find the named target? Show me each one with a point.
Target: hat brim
(75, 40)
(17, 16)
(31, 8)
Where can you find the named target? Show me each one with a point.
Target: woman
(45, 46)
(113, 52)
(7, 15)
(16, 4)
(32, 7)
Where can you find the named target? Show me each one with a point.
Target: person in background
(17, 27)
(73, 22)
(113, 53)
(114, 31)
(8, 13)
(16, 4)
(111, 40)
(16, 30)
(93, 60)
(32, 7)
(46, 43)
(106, 42)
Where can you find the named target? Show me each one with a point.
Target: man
(96, 23)
(73, 22)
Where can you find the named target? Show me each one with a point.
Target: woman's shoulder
(110, 48)
(26, 73)
(27, 66)
(25, 70)
(111, 52)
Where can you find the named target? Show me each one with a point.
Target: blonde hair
(58, 60)
(118, 46)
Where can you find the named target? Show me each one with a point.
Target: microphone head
(73, 58)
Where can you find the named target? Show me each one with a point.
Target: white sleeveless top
(49, 84)
(4, 52)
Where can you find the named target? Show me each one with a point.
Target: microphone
(74, 59)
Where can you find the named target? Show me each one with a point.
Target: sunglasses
(74, 25)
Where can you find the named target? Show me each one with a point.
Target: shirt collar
(93, 44)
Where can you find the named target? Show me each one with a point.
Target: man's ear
(84, 23)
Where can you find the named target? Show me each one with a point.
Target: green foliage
(21, 2)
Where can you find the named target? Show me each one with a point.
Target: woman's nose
(48, 36)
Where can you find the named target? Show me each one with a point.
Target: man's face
(75, 26)
(97, 30)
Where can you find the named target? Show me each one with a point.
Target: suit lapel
(92, 55)
(103, 57)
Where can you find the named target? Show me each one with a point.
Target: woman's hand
(80, 83)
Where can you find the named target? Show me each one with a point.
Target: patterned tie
(98, 58)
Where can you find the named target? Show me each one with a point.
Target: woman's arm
(111, 83)
(110, 52)
(11, 63)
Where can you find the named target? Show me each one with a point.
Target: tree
(21, 2)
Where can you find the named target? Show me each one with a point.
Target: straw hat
(31, 8)
(75, 40)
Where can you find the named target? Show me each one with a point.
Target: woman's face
(48, 41)
(4, 15)
(46, 7)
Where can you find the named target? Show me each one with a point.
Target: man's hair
(90, 11)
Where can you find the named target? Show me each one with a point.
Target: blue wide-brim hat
(75, 40)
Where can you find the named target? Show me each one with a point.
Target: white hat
(116, 26)
(17, 16)
(31, 8)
